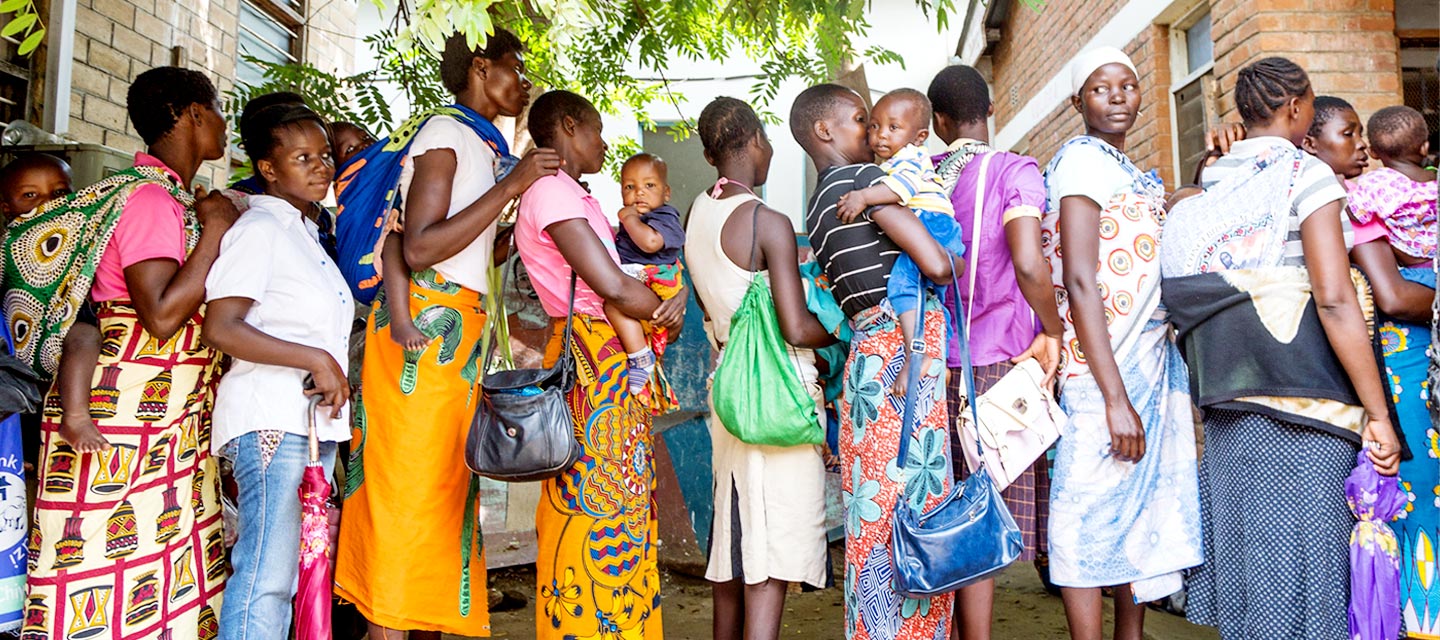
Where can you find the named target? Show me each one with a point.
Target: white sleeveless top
(720, 283)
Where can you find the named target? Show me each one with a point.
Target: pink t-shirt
(151, 226)
(550, 200)
(1369, 231)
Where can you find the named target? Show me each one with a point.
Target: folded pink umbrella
(312, 599)
(1374, 552)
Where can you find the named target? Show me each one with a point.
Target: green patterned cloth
(51, 255)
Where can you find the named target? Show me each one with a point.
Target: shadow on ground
(1024, 611)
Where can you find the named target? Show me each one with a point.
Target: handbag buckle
(1020, 406)
(917, 345)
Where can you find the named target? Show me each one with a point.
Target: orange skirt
(410, 554)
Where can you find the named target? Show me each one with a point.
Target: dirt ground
(1024, 611)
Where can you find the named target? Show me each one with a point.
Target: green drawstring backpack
(756, 392)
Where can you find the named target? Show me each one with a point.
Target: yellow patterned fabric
(127, 542)
(596, 570)
(409, 555)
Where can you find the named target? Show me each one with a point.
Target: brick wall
(1349, 46)
(1021, 69)
(331, 35)
(116, 40)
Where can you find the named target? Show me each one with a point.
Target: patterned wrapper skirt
(871, 481)
(1418, 528)
(1114, 522)
(1028, 497)
(410, 554)
(127, 542)
(1276, 528)
(596, 571)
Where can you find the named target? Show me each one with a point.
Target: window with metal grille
(1192, 63)
(269, 31)
(1421, 82)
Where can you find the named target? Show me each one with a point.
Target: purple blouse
(1003, 324)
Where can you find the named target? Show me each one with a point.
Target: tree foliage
(24, 21)
(616, 52)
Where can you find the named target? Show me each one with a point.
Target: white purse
(1019, 420)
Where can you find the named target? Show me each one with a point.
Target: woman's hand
(1381, 445)
(330, 383)
(1044, 348)
(215, 211)
(1127, 435)
(537, 164)
(671, 312)
(1220, 138)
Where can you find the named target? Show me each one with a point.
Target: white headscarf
(1088, 62)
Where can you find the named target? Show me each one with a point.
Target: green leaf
(12, 6)
(31, 42)
(20, 23)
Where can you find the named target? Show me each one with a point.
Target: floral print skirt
(872, 482)
(1418, 526)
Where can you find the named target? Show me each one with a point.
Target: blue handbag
(970, 535)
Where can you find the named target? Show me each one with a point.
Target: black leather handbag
(522, 430)
(970, 535)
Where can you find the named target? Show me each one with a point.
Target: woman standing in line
(118, 530)
(1013, 311)
(1124, 508)
(769, 526)
(408, 556)
(830, 122)
(1338, 139)
(278, 306)
(1280, 440)
(596, 569)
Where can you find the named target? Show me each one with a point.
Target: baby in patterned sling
(28, 182)
(899, 125)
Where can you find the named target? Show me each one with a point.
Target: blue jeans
(266, 557)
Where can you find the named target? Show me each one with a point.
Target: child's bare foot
(406, 335)
(82, 435)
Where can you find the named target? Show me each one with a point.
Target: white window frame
(1189, 13)
(286, 16)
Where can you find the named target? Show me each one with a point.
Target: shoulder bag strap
(907, 423)
(565, 354)
(510, 259)
(973, 260)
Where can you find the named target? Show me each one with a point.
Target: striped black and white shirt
(856, 257)
(1314, 187)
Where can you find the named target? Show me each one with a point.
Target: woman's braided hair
(1265, 86)
(727, 125)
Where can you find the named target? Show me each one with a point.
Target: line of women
(1073, 268)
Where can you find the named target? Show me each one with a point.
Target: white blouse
(272, 255)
